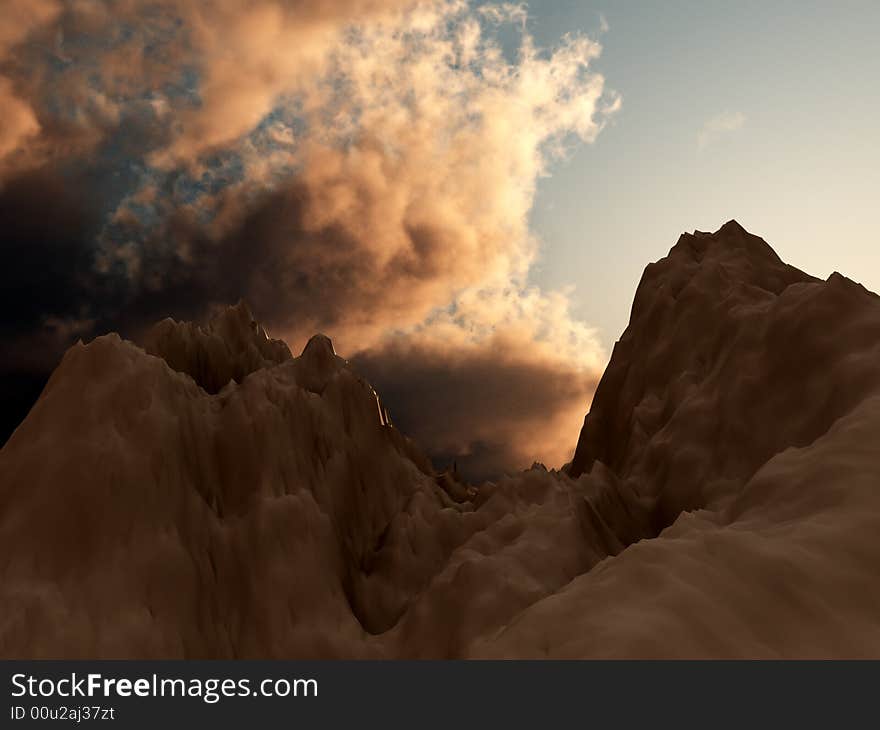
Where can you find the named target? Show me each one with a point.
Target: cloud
(218, 66)
(410, 180)
(19, 121)
(495, 397)
(249, 54)
(718, 126)
(46, 283)
(21, 18)
(47, 267)
(364, 168)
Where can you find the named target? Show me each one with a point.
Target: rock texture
(743, 402)
(209, 495)
(229, 348)
(731, 356)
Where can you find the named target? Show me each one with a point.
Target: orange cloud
(404, 231)
(19, 121)
(508, 389)
(388, 154)
(250, 54)
(20, 19)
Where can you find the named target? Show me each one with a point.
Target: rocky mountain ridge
(210, 495)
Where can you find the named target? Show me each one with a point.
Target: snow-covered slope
(211, 496)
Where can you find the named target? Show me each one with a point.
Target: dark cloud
(19, 390)
(292, 277)
(46, 225)
(489, 408)
(46, 282)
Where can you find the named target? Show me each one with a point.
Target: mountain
(207, 494)
(730, 357)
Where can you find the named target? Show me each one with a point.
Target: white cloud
(719, 125)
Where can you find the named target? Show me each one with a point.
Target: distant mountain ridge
(210, 495)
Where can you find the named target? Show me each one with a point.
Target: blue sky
(802, 170)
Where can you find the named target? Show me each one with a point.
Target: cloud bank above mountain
(365, 169)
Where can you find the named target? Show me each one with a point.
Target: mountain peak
(319, 345)
(228, 348)
(317, 363)
(732, 226)
(732, 437)
(719, 327)
(730, 239)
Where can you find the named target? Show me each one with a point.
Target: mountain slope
(210, 495)
(142, 515)
(744, 400)
(730, 357)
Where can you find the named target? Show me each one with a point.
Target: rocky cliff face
(742, 404)
(229, 348)
(209, 495)
(730, 357)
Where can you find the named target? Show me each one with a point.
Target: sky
(462, 195)
(765, 112)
